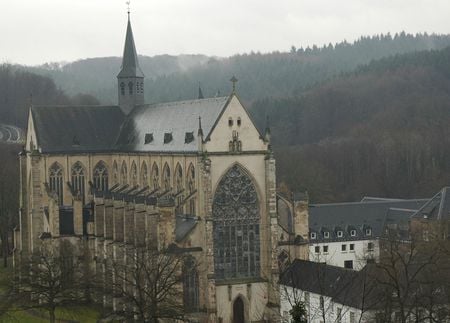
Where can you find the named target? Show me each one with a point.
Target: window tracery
(236, 233)
(166, 177)
(191, 188)
(115, 173)
(133, 174)
(101, 177)
(144, 175)
(190, 285)
(56, 181)
(77, 173)
(123, 174)
(155, 176)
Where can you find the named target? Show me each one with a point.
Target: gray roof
(355, 215)
(184, 225)
(437, 208)
(130, 64)
(76, 128)
(344, 286)
(174, 118)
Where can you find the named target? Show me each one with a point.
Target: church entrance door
(238, 311)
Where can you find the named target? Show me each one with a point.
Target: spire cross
(234, 81)
(128, 7)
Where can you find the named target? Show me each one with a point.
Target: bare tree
(51, 278)
(147, 283)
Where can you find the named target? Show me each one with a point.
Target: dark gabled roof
(184, 225)
(76, 128)
(344, 286)
(437, 208)
(357, 214)
(175, 118)
(130, 64)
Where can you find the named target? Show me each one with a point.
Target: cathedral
(196, 175)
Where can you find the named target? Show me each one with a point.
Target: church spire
(130, 78)
(200, 92)
(130, 64)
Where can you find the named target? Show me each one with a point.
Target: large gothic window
(144, 175)
(78, 179)
(123, 174)
(190, 285)
(56, 181)
(101, 177)
(133, 175)
(236, 226)
(155, 176)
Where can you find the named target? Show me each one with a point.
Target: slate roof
(437, 208)
(344, 286)
(359, 215)
(130, 64)
(76, 128)
(184, 225)
(175, 118)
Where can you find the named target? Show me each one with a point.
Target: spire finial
(128, 8)
(200, 92)
(234, 81)
(200, 130)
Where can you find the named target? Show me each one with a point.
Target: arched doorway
(238, 311)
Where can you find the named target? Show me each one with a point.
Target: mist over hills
(368, 118)
(277, 74)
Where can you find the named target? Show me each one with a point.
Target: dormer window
(189, 137)
(353, 233)
(326, 234)
(167, 137)
(239, 122)
(368, 232)
(230, 122)
(313, 235)
(340, 234)
(148, 138)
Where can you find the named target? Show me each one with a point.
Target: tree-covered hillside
(382, 130)
(19, 88)
(277, 74)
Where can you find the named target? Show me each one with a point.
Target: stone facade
(110, 197)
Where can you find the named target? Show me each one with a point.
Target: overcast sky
(38, 31)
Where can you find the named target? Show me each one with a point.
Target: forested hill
(277, 74)
(19, 88)
(383, 130)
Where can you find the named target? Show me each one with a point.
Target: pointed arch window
(122, 88)
(101, 177)
(236, 215)
(191, 188)
(77, 173)
(166, 177)
(123, 174)
(190, 285)
(133, 174)
(144, 175)
(179, 188)
(155, 177)
(115, 173)
(130, 88)
(56, 181)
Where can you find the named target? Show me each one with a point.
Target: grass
(82, 314)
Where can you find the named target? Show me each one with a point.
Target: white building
(347, 234)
